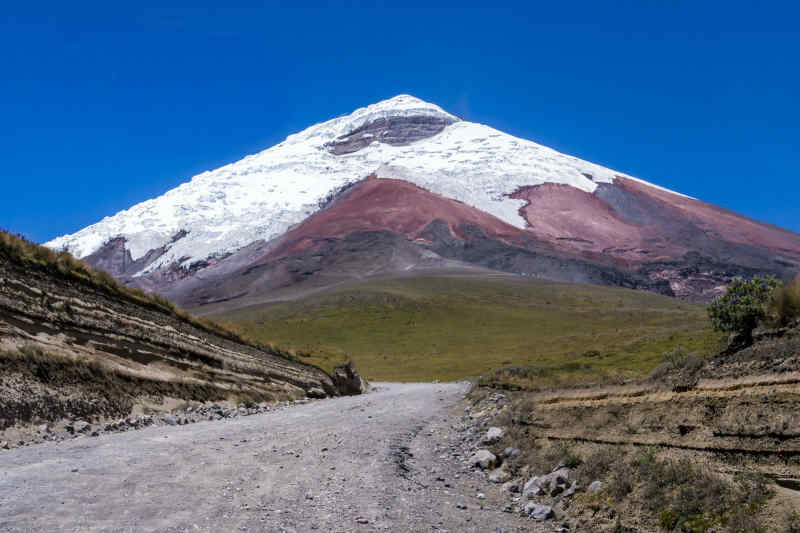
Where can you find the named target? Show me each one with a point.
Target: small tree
(743, 305)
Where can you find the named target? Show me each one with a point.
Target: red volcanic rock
(720, 222)
(573, 219)
(624, 234)
(391, 205)
(635, 223)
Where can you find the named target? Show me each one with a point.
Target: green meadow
(451, 328)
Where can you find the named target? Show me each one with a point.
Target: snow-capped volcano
(549, 197)
(262, 195)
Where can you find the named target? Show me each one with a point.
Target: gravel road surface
(385, 461)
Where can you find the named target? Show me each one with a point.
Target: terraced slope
(73, 345)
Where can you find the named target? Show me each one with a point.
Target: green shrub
(792, 522)
(569, 458)
(677, 360)
(245, 400)
(743, 305)
(599, 463)
(785, 304)
(681, 495)
(621, 481)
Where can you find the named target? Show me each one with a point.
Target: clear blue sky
(107, 104)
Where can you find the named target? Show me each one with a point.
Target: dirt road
(385, 461)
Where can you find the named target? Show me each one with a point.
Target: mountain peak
(547, 195)
(262, 195)
(404, 103)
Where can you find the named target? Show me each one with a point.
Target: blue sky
(107, 104)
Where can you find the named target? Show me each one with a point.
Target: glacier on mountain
(261, 196)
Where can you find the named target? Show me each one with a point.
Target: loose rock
(493, 434)
(509, 452)
(483, 459)
(499, 475)
(595, 486)
(538, 512)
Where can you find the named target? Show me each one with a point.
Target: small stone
(461, 506)
(511, 486)
(4, 445)
(499, 475)
(538, 512)
(79, 426)
(493, 434)
(571, 490)
(170, 420)
(481, 496)
(595, 486)
(483, 459)
(532, 488)
(362, 520)
(44, 428)
(509, 452)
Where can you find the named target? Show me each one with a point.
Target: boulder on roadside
(493, 434)
(348, 381)
(538, 512)
(531, 488)
(509, 452)
(483, 459)
(499, 475)
(551, 484)
(511, 486)
(78, 426)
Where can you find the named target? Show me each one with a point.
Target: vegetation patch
(785, 304)
(743, 306)
(451, 328)
(679, 494)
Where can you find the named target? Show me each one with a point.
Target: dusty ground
(390, 460)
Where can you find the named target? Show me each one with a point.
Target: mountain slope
(539, 209)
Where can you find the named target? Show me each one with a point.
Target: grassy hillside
(456, 327)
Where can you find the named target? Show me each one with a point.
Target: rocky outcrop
(115, 258)
(348, 381)
(392, 130)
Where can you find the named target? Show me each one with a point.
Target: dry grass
(676, 494)
(785, 304)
